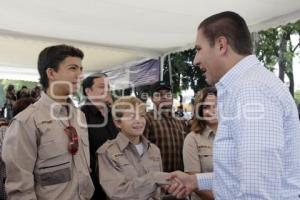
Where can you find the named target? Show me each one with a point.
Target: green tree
(274, 46)
(184, 74)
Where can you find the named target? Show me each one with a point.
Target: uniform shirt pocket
(54, 175)
(205, 157)
(52, 149)
(154, 164)
(54, 164)
(123, 165)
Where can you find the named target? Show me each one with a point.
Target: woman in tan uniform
(130, 167)
(197, 148)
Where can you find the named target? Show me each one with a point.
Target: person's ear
(50, 74)
(118, 123)
(222, 44)
(88, 91)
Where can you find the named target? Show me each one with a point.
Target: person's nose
(196, 61)
(79, 74)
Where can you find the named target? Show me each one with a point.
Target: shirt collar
(235, 73)
(123, 141)
(208, 132)
(55, 109)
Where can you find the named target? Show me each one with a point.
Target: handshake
(180, 184)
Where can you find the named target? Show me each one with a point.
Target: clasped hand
(180, 184)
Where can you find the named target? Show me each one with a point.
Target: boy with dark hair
(46, 151)
(51, 57)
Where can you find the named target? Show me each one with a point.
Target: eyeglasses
(73, 136)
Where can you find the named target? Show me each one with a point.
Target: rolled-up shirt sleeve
(19, 155)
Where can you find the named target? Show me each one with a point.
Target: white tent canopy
(114, 32)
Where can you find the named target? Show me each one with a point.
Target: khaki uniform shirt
(36, 155)
(197, 153)
(124, 174)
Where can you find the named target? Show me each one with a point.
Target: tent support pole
(162, 59)
(170, 69)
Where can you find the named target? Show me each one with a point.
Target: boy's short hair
(51, 57)
(126, 104)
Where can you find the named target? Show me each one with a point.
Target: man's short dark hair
(88, 82)
(230, 25)
(160, 85)
(51, 57)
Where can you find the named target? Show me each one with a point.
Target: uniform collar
(55, 109)
(208, 133)
(123, 141)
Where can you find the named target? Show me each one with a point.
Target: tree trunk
(281, 58)
(292, 84)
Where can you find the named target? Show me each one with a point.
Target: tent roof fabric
(113, 32)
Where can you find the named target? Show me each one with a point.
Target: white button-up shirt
(257, 145)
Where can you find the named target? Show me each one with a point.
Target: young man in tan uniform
(46, 150)
(130, 166)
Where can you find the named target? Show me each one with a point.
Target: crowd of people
(241, 143)
(15, 101)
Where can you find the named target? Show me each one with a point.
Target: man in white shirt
(256, 149)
